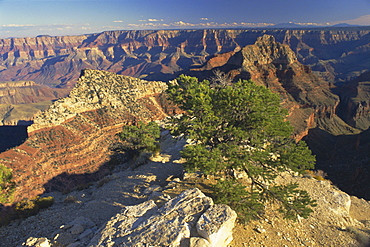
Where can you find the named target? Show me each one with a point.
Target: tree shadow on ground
(66, 182)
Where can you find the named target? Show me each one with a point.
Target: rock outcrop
(101, 90)
(173, 224)
(189, 220)
(73, 137)
(158, 54)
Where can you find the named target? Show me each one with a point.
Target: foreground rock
(189, 219)
(171, 225)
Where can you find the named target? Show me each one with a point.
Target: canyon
(21, 100)
(81, 97)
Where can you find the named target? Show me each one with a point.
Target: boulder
(171, 225)
(216, 225)
(37, 242)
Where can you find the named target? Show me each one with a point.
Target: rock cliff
(74, 135)
(335, 54)
(354, 108)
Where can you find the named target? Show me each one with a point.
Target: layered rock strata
(336, 54)
(74, 135)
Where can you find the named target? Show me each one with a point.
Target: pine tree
(241, 127)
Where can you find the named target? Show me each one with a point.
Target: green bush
(7, 186)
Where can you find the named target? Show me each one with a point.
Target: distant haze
(29, 18)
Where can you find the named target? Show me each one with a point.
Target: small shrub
(83, 186)
(136, 139)
(316, 174)
(7, 186)
(26, 208)
(103, 181)
(45, 202)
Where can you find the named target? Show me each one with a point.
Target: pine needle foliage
(241, 128)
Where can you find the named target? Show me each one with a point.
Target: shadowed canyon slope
(335, 54)
(74, 135)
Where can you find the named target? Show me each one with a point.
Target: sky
(29, 18)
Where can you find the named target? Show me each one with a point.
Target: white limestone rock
(199, 242)
(78, 229)
(144, 225)
(216, 225)
(37, 242)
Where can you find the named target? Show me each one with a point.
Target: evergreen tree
(241, 127)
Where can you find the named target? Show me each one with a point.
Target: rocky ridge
(70, 143)
(355, 104)
(100, 90)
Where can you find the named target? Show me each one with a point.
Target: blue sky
(29, 18)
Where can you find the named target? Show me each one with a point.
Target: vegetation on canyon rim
(241, 128)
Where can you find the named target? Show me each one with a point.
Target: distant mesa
(43, 35)
(345, 25)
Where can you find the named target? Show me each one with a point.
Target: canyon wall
(335, 54)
